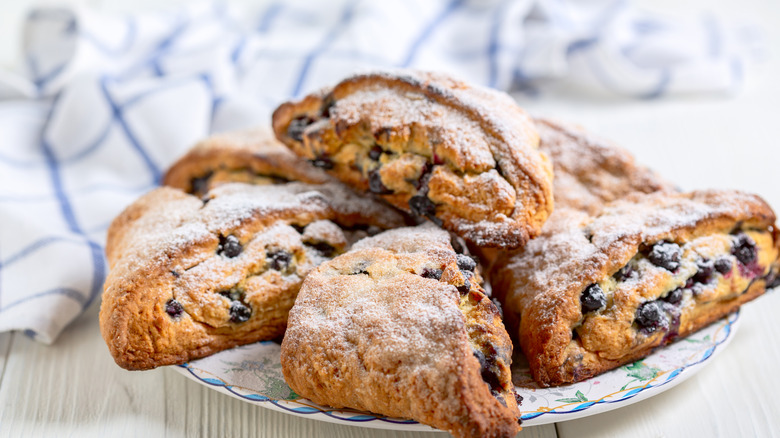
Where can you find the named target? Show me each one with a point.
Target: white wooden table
(73, 388)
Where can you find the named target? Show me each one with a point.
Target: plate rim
(308, 409)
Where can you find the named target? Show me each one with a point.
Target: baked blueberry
(422, 206)
(324, 248)
(173, 308)
(297, 126)
(624, 273)
(650, 316)
(375, 152)
(375, 183)
(466, 263)
(322, 162)
(666, 255)
(229, 246)
(744, 249)
(431, 273)
(592, 298)
(704, 273)
(674, 297)
(723, 265)
(200, 185)
(279, 259)
(239, 312)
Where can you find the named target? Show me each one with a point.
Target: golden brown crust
(542, 286)
(251, 156)
(376, 330)
(590, 171)
(463, 156)
(190, 277)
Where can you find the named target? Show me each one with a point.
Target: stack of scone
(356, 246)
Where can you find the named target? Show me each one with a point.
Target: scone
(190, 276)
(593, 293)
(400, 326)
(463, 156)
(590, 171)
(252, 156)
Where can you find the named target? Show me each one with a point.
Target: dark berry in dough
(704, 272)
(279, 260)
(297, 126)
(466, 263)
(650, 316)
(375, 152)
(173, 308)
(666, 255)
(723, 265)
(229, 246)
(322, 162)
(744, 249)
(431, 273)
(674, 297)
(375, 184)
(422, 206)
(592, 298)
(324, 248)
(239, 312)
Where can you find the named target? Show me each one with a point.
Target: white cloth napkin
(105, 102)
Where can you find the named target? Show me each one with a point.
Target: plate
(253, 373)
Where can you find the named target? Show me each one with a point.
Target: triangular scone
(463, 156)
(252, 156)
(400, 326)
(191, 276)
(593, 293)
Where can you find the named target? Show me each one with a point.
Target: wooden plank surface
(73, 388)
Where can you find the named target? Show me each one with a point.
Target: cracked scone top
(590, 171)
(400, 326)
(190, 276)
(463, 156)
(593, 293)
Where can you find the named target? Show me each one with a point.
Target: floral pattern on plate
(253, 373)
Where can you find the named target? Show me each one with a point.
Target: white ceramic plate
(253, 373)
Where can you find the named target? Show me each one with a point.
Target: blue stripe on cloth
(737, 72)
(269, 16)
(119, 117)
(67, 209)
(35, 246)
(714, 38)
(494, 45)
(13, 162)
(98, 273)
(130, 36)
(346, 16)
(660, 88)
(22, 199)
(427, 31)
(63, 291)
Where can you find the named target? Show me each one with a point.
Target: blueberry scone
(400, 326)
(191, 276)
(590, 171)
(463, 156)
(595, 292)
(252, 156)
